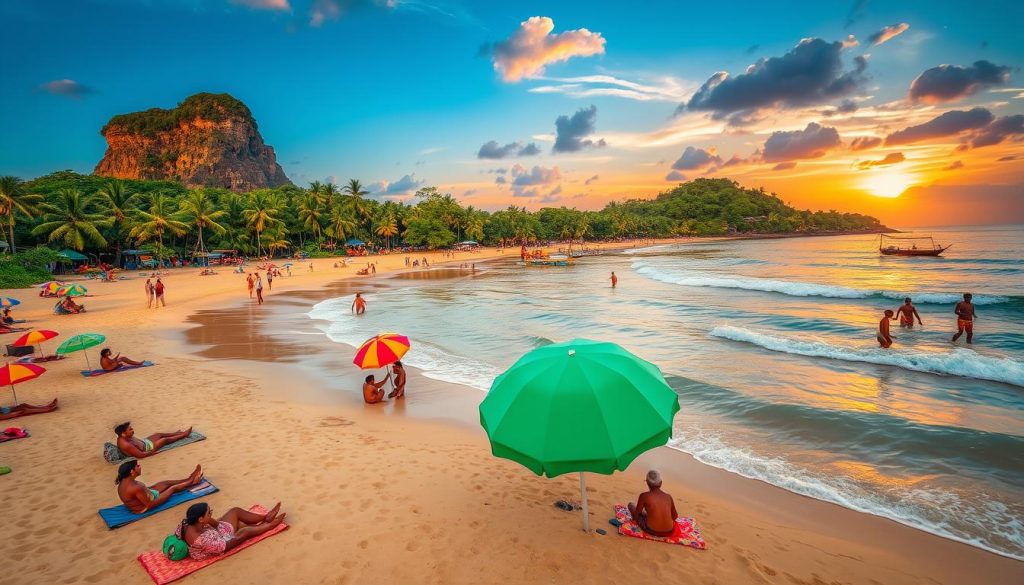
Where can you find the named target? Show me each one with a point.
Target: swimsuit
(905, 320)
(210, 542)
(965, 324)
(147, 445)
(155, 493)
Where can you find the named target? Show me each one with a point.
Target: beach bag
(175, 548)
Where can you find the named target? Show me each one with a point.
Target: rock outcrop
(209, 140)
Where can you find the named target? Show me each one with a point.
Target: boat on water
(909, 246)
(550, 260)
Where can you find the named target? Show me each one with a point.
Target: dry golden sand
(375, 494)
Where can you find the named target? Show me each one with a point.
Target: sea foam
(796, 288)
(961, 362)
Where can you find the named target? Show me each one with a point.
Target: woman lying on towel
(138, 498)
(70, 306)
(209, 537)
(24, 408)
(111, 363)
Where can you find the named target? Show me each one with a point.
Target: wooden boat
(896, 246)
(550, 260)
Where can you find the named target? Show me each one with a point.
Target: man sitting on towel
(133, 446)
(654, 511)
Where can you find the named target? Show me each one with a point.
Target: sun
(887, 182)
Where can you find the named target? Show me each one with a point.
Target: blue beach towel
(118, 516)
(100, 372)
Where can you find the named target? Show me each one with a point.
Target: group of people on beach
(155, 293)
(204, 535)
(255, 285)
(907, 312)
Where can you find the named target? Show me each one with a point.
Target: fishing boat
(909, 246)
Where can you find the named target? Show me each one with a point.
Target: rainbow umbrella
(380, 351)
(17, 373)
(81, 343)
(36, 338)
(52, 286)
(8, 302)
(72, 290)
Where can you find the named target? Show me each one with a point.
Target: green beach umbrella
(578, 406)
(72, 290)
(81, 343)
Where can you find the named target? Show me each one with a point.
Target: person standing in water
(359, 304)
(259, 289)
(907, 312)
(615, 280)
(884, 338)
(965, 318)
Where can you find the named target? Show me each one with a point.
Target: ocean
(771, 347)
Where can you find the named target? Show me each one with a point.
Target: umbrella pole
(86, 354)
(583, 500)
(13, 391)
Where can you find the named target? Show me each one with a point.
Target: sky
(910, 111)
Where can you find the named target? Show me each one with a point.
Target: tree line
(98, 214)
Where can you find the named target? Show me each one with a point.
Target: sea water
(771, 347)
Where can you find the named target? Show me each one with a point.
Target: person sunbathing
(25, 409)
(133, 446)
(110, 364)
(209, 537)
(7, 318)
(654, 511)
(138, 498)
(71, 306)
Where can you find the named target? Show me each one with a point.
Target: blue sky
(409, 87)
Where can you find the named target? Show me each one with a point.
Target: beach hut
(75, 259)
(578, 406)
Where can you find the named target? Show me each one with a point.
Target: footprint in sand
(335, 421)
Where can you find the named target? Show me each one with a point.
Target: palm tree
(119, 206)
(153, 224)
(197, 209)
(310, 212)
(355, 202)
(341, 223)
(387, 228)
(70, 220)
(13, 200)
(261, 213)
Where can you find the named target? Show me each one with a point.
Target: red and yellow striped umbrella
(35, 337)
(382, 350)
(17, 373)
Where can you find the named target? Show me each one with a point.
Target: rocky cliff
(209, 140)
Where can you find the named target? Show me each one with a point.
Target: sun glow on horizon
(888, 183)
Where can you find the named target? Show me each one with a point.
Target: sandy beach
(393, 493)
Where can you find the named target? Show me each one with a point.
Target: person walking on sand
(359, 304)
(654, 511)
(259, 289)
(372, 392)
(251, 283)
(965, 317)
(270, 280)
(615, 280)
(149, 293)
(907, 312)
(158, 291)
(373, 268)
(399, 371)
(884, 338)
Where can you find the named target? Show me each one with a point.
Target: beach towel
(686, 532)
(118, 516)
(13, 434)
(114, 456)
(39, 360)
(100, 372)
(164, 570)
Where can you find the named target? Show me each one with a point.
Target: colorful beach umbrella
(8, 302)
(52, 286)
(578, 406)
(72, 290)
(381, 350)
(36, 338)
(11, 374)
(81, 343)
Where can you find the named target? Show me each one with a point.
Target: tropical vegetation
(102, 216)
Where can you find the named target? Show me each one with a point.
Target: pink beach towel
(13, 433)
(686, 532)
(164, 570)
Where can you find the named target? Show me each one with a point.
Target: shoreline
(429, 493)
